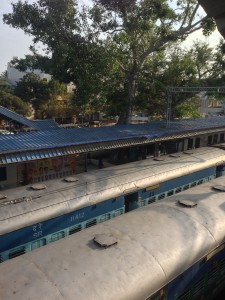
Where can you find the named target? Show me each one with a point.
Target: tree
(72, 52)
(32, 89)
(14, 103)
(111, 39)
(9, 100)
(49, 99)
(138, 29)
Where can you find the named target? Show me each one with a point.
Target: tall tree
(72, 52)
(32, 89)
(139, 28)
(112, 38)
(12, 102)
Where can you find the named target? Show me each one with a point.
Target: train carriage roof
(151, 246)
(24, 206)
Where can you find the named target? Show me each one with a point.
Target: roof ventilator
(159, 158)
(15, 201)
(189, 152)
(38, 187)
(70, 179)
(105, 240)
(220, 188)
(187, 203)
(175, 155)
(2, 196)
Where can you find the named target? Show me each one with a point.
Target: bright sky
(15, 43)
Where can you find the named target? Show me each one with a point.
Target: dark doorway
(197, 143)
(190, 143)
(131, 202)
(209, 140)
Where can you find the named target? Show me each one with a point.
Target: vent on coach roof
(187, 203)
(105, 240)
(70, 179)
(175, 155)
(189, 152)
(38, 186)
(2, 196)
(219, 188)
(159, 158)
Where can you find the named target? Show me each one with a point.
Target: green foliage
(32, 89)
(47, 98)
(14, 103)
(208, 26)
(188, 109)
(107, 47)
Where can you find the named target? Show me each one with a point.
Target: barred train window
(161, 196)
(170, 193)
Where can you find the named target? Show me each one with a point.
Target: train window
(3, 175)
(198, 287)
(38, 244)
(58, 235)
(16, 252)
(178, 190)
(91, 223)
(184, 296)
(151, 200)
(212, 275)
(170, 193)
(74, 229)
(105, 217)
(161, 196)
(186, 187)
(222, 266)
(222, 137)
(118, 212)
(200, 182)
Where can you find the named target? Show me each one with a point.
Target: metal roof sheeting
(51, 143)
(34, 124)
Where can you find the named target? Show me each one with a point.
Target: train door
(131, 201)
(220, 170)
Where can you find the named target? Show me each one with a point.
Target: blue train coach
(33, 216)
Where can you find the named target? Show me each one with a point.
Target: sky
(15, 43)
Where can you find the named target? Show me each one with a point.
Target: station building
(52, 152)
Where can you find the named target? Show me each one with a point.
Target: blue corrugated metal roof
(34, 124)
(50, 143)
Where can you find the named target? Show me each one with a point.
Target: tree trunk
(131, 95)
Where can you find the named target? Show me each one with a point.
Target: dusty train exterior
(32, 218)
(173, 249)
